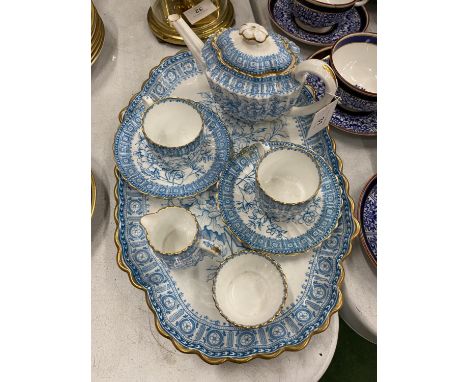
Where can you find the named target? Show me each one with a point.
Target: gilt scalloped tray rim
(217, 361)
(362, 237)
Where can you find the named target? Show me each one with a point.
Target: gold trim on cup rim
(194, 240)
(217, 361)
(340, 77)
(289, 149)
(278, 268)
(160, 101)
(362, 237)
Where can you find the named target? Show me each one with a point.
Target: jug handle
(326, 74)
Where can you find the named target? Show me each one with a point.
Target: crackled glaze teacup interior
(288, 176)
(172, 125)
(249, 289)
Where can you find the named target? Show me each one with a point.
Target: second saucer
(245, 217)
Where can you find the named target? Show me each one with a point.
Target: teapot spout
(193, 42)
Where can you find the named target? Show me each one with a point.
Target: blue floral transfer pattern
(152, 173)
(242, 212)
(205, 330)
(369, 218)
(281, 12)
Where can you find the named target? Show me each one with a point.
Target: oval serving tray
(181, 299)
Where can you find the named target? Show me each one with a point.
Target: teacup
(287, 180)
(354, 61)
(320, 16)
(173, 127)
(174, 235)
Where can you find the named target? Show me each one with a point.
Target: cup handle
(148, 101)
(326, 74)
(361, 3)
(211, 248)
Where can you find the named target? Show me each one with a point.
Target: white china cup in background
(249, 289)
(354, 61)
(172, 126)
(287, 179)
(174, 235)
(320, 16)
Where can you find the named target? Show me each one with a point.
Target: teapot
(254, 74)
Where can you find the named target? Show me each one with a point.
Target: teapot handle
(326, 74)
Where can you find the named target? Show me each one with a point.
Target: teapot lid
(253, 51)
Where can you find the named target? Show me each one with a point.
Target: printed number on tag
(322, 118)
(200, 11)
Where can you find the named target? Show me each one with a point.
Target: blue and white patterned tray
(181, 299)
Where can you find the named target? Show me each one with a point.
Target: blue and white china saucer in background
(368, 219)
(356, 20)
(154, 175)
(363, 124)
(242, 213)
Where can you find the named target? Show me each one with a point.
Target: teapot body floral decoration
(254, 74)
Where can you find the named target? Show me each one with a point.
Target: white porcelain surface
(357, 63)
(249, 289)
(172, 124)
(331, 2)
(170, 229)
(288, 176)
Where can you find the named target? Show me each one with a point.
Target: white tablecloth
(125, 343)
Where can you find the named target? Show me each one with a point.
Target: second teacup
(173, 127)
(354, 61)
(174, 235)
(287, 180)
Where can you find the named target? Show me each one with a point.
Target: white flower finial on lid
(253, 31)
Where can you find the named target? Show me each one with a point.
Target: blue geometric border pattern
(249, 223)
(212, 338)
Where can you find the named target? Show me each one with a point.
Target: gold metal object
(217, 361)
(93, 194)
(97, 34)
(161, 28)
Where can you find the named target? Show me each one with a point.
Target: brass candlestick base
(161, 28)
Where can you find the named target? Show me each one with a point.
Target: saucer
(177, 177)
(249, 289)
(364, 124)
(368, 219)
(241, 212)
(356, 20)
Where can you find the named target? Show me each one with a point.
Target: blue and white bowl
(354, 61)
